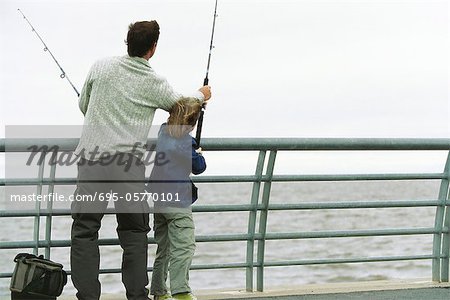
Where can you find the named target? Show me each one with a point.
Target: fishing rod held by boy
(198, 134)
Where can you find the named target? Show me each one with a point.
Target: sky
(369, 68)
(279, 68)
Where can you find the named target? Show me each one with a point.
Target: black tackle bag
(35, 277)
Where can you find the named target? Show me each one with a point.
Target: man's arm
(83, 101)
(167, 97)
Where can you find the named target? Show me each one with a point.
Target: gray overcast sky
(280, 68)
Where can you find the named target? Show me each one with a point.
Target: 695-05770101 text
(143, 196)
(97, 196)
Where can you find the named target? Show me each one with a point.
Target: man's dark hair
(141, 37)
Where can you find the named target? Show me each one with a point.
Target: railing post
(446, 236)
(48, 219)
(252, 222)
(263, 221)
(439, 225)
(37, 218)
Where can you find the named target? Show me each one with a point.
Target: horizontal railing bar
(355, 204)
(319, 177)
(347, 233)
(193, 267)
(219, 266)
(6, 275)
(244, 237)
(325, 144)
(223, 238)
(73, 181)
(42, 213)
(248, 207)
(110, 211)
(115, 241)
(280, 263)
(345, 260)
(150, 269)
(244, 144)
(358, 177)
(53, 243)
(23, 144)
(222, 208)
(248, 178)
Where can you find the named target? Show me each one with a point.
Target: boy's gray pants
(132, 218)
(174, 234)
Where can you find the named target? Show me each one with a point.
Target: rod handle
(198, 134)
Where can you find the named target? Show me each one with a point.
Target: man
(118, 100)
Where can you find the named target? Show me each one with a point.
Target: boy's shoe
(167, 296)
(184, 296)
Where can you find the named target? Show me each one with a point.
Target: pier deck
(370, 290)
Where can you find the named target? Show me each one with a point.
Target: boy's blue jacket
(178, 159)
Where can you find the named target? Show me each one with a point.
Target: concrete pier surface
(371, 290)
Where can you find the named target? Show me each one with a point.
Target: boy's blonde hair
(183, 116)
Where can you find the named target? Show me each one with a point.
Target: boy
(173, 223)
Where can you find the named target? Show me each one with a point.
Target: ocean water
(278, 221)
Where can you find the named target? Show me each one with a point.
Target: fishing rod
(63, 73)
(206, 80)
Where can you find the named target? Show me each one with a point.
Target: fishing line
(63, 73)
(206, 80)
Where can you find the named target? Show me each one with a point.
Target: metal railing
(262, 179)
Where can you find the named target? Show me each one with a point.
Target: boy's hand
(199, 150)
(206, 91)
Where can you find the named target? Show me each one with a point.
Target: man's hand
(206, 91)
(199, 150)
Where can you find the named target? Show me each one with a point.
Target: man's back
(119, 100)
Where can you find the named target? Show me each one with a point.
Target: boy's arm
(198, 161)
